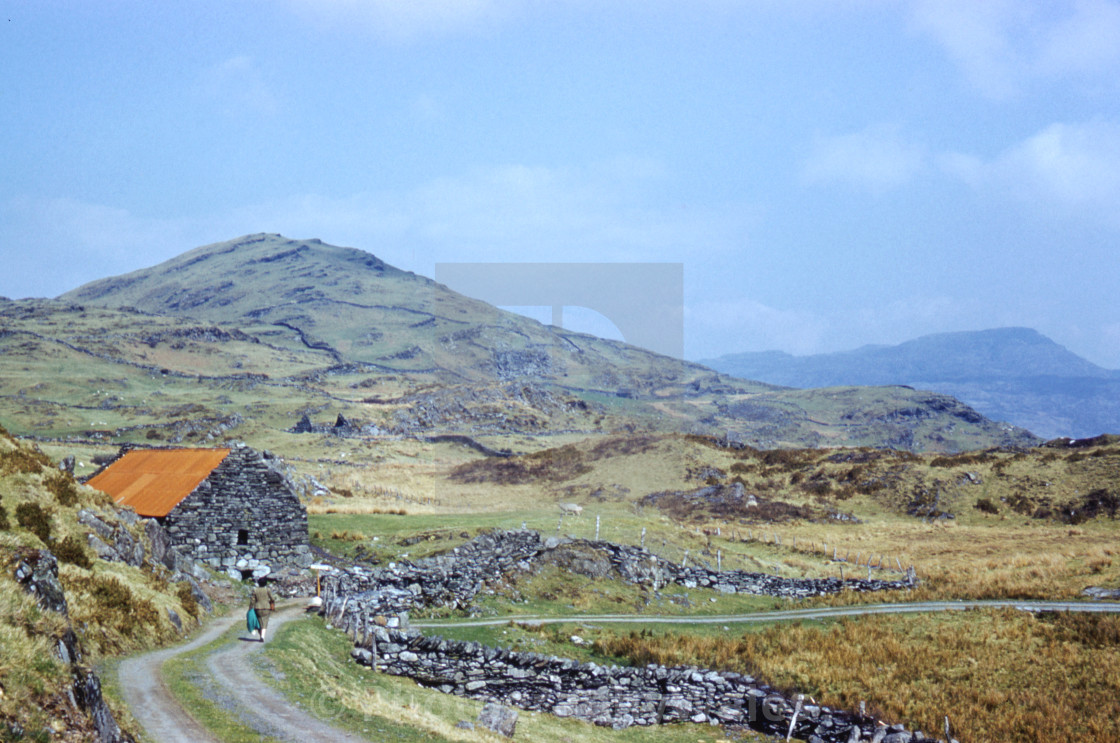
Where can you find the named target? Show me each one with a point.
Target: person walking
(263, 602)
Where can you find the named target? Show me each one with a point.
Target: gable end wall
(243, 493)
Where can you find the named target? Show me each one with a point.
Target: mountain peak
(1015, 374)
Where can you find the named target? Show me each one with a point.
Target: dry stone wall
(456, 577)
(614, 696)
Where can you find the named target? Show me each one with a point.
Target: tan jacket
(261, 598)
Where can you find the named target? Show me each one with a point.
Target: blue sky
(830, 174)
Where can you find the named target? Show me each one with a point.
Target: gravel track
(238, 687)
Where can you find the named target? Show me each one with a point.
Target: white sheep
(573, 508)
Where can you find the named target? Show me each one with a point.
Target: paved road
(777, 616)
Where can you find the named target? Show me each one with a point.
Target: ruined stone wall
(613, 696)
(454, 578)
(244, 516)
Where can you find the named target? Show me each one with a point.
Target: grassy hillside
(244, 338)
(1016, 524)
(110, 607)
(997, 523)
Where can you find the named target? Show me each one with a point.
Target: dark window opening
(242, 536)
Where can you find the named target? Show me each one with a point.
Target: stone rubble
(453, 579)
(356, 600)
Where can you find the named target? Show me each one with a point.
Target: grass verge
(310, 665)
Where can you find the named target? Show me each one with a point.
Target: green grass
(186, 677)
(309, 664)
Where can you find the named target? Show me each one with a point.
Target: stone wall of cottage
(245, 517)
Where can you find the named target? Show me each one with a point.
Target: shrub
(71, 550)
(986, 506)
(4, 525)
(187, 599)
(33, 518)
(23, 461)
(63, 489)
(819, 488)
(111, 593)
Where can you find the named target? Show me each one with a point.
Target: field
(1017, 523)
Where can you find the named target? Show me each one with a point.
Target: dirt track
(231, 682)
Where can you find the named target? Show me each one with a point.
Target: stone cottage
(230, 508)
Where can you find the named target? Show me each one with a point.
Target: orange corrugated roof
(153, 481)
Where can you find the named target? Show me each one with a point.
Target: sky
(829, 174)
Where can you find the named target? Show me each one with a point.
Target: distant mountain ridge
(1013, 374)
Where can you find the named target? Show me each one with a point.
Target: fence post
(684, 559)
(796, 711)
(719, 560)
(596, 527)
(643, 537)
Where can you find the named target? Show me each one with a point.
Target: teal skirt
(251, 621)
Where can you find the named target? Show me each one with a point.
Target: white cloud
(54, 245)
(877, 158)
(1074, 167)
(976, 36)
(714, 328)
(1002, 45)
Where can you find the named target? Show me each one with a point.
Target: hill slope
(1012, 374)
(254, 333)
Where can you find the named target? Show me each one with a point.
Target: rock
(302, 426)
(499, 718)
(90, 519)
(1098, 592)
(87, 692)
(174, 617)
(40, 577)
(131, 552)
(465, 725)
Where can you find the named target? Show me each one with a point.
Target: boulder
(499, 718)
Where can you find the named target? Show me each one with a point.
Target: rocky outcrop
(38, 574)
